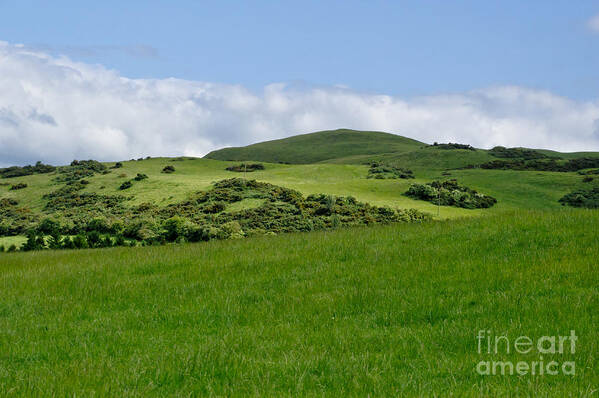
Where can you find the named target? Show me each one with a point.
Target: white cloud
(56, 110)
(594, 23)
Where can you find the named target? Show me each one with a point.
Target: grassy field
(391, 310)
(514, 189)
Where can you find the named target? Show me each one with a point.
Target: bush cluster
(585, 198)
(129, 184)
(452, 145)
(549, 164)
(382, 171)
(450, 193)
(516, 153)
(79, 169)
(126, 185)
(15, 220)
(246, 167)
(16, 171)
(97, 219)
(18, 186)
(589, 172)
(168, 169)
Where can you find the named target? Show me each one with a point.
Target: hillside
(143, 199)
(319, 146)
(363, 147)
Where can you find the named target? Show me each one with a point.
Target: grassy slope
(380, 311)
(319, 146)
(514, 189)
(423, 158)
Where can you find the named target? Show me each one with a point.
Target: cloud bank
(55, 109)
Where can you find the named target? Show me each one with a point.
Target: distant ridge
(319, 146)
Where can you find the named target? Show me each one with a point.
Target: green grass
(319, 146)
(513, 189)
(382, 311)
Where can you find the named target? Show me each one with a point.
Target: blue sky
(112, 80)
(402, 48)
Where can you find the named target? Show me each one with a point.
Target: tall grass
(391, 310)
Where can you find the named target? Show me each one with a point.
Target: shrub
(450, 193)
(587, 179)
(126, 185)
(34, 241)
(80, 242)
(511, 153)
(79, 169)
(98, 224)
(140, 177)
(18, 186)
(174, 228)
(452, 145)
(12, 248)
(168, 169)
(16, 171)
(382, 171)
(586, 198)
(549, 164)
(48, 226)
(246, 167)
(117, 165)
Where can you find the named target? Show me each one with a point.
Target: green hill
(345, 146)
(376, 310)
(140, 194)
(319, 146)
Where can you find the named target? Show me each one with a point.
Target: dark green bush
(549, 164)
(16, 171)
(79, 169)
(512, 153)
(168, 169)
(140, 177)
(452, 145)
(382, 171)
(18, 186)
(246, 167)
(126, 185)
(450, 193)
(48, 226)
(80, 242)
(586, 198)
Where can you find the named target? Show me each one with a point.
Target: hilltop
(344, 146)
(319, 146)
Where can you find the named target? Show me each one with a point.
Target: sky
(113, 80)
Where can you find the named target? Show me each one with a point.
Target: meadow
(383, 310)
(386, 310)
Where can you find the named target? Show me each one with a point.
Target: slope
(319, 146)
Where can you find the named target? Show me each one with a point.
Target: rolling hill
(336, 308)
(320, 146)
(334, 163)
